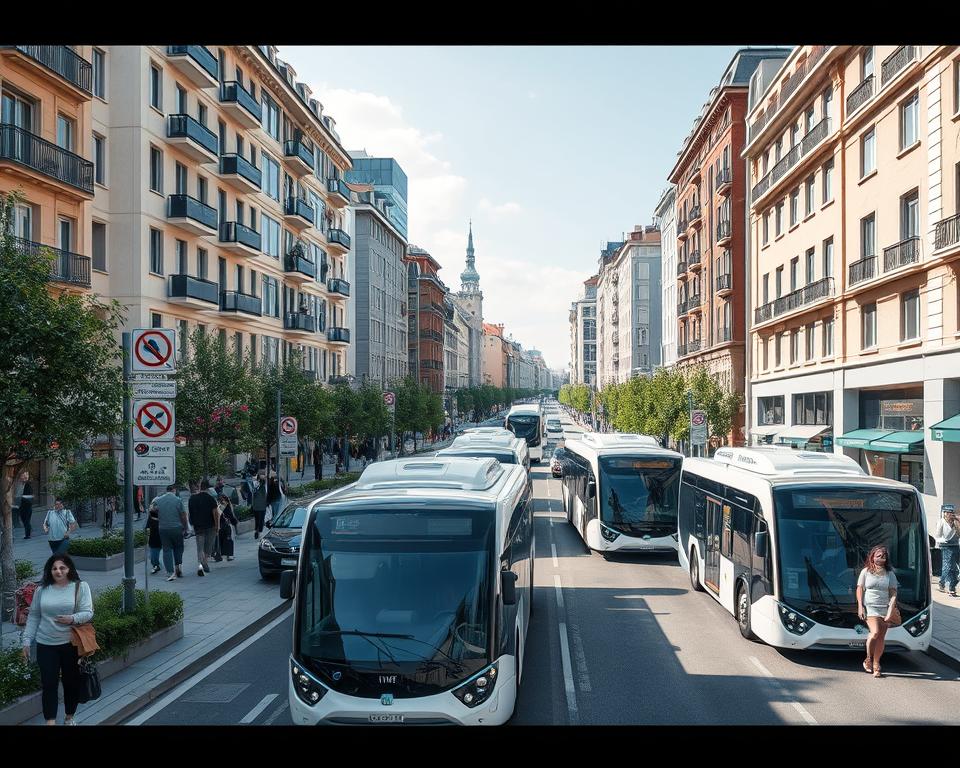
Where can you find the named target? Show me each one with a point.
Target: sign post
(390, 400)
(698, 428)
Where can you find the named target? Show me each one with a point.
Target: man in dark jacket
(203, 513)
(317, 461)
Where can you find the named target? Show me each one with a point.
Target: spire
(469, 278)
(470, 245)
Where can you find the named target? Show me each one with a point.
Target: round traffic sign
(154, 419)
(698, 418)
(153, 349)
(288, 425)
(389, 398)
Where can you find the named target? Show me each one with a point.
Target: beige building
(854, 160)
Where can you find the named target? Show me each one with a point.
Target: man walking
(58, 525)
(317, 461)
(203, 517)
(173, 529)
(23, 503)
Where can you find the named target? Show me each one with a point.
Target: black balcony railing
(681, 308)
(300, 321)
(693, 259)
(236, 164)
(338, 236)
(947, 232)
(724, 334)
(815, 135)
(189, 287)
(338, 187)
(724, 177)
(724, 230)
(682, 228)
(694, 302)
(694, 214)
(865, 269)
(895, 63)
(231, 92)
(186, 207)
(809, 294)
(186, 127)
(66, 267)
(761, 186)
(343, 334)
(724, 282)
(681, 266)
(816, 53)
(296, 148)
(903, 253)
(62, 60)
(47, 158)
(860, 95)
(235, 301)
(296, 206)
(338, 285)
(235, 232)
(692, 346)
(296, 261)
(429, 333)
(199, 54)
(763, 313)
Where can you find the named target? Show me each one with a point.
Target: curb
(130, 709)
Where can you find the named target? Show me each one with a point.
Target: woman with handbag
(877, 604)
(62, 602)
(225, 533)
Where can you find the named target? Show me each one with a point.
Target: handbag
(893, 617)
(84, 636)
(89, 681)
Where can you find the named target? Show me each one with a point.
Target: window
(777, 340)
(808, 119)
(828, 337)
(828, 257)
(778, 150)
(910, 121)
(778, 229)
(271, 117)
(827, 109)
(202, 116)
(794, 346)
(156, 320)
(271, 297)
(868, 152)
(183, 265)
(99, 247)
(910, 215)
(180, 100)
(764, 343)
(866, 63)
(99, 73)
(770, 410)
(808, 337)
(868, 236)
(156, 251)
(271, 177)
(809, 197)
(828, 181)
(99, 157)
(779, 282)
(766, 288)
(66, 131)
(202, 263)
(794, 206)
(810, 265)
(156, 88)
(766, 227)
(271, 236)
(868, 314)
(910, 315)
(813, 408)
(202, 189)
(156, 170)
(180, 186)
(794, 273)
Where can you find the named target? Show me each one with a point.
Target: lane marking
(186, 685)
(810, 719)
(582, 672)
(280, 710)
(254, 713)
(568, 686)
(559, 589)
(553, 548)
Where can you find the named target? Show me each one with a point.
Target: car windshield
(824, 535)
(639, 494)
(524, 425)
(292, 516)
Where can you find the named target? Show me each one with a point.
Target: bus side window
(726, 545)
(762, 566)
(701, 514)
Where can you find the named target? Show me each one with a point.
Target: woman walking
(876, 600)
(153, 541)
(61, 601)
(259, 506)
(224, 545)
(948, 539)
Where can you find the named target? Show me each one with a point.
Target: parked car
(279, 548)
(556, 462)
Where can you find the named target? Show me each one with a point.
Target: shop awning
(766, 430)
(947, 431)
(860, 438)
(899, 442)
(801, 434)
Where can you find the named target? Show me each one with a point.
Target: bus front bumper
(623, 543)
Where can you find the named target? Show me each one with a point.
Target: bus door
(711, 568)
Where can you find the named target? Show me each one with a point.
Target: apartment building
(583, 335)
(451, 345)
(665, 217)
(608, 297)
(426, 316)
(497, 355)
(854, 154)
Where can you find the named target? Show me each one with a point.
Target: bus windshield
(526, 426)
(638, 495)
(824, 535)
(398, 592)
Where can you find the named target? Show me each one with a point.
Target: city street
(618, 641)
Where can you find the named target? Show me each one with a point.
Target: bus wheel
(743, 612)
(695, 571)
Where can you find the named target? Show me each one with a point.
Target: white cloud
(496, 211)
(532, 95)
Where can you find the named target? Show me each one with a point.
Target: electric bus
(526, 422)
(778, 537)
(619, 492)
(506, 447)
(413, 595)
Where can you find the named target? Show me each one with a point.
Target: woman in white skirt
(876, 598)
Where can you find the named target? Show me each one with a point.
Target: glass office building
(389, 184)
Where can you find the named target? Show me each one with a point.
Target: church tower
(470, 299)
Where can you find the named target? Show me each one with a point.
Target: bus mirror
(508, 587)
(591, 488)
(760, 544)
(288, 580)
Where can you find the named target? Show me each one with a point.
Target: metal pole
(278, 441)
(690, 421)
(129, 580)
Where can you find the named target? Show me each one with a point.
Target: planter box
(106, 563)
(27, 707)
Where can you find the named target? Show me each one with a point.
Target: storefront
(812, 425)
(769, 420)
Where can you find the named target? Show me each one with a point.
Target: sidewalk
(945, 645)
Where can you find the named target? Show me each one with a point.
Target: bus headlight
(309, 691)
(794, 621)
(608, 533)
(477, 690)
(919, 623)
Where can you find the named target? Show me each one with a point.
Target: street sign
(390, 400)
(165, 389)
(153, 420)
(288, 425)
(154, 470)
(153, 350)
(153, 450)
(288, 436)
(698, 427)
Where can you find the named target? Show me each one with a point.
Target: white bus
(526, 422)
(505, 447)
(778, 537)
(620, 492)
(413, 595)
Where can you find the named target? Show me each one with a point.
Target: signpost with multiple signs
(698, 427)
(288, 436)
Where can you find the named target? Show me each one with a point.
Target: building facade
(389, 184)
(608, 298)
(496, 356)
(583, 335)
(470, 300)
(426, 317)
(666, 220)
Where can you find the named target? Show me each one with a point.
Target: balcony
(693, 260)
(433, 365)
(724, 284)
(298, 213)
(724, 232)
(694, 304)
(863, 270)
(196, 63)
(298, 267)
(240, 104)
(235, 301)
(300, 322)
(298, 156)
(239, 173)
(682, 229)
(339, 193)
(789, 87)
(695, 215)
(428, 334)
(74, 70)
(193, 139)
(689, 348)
(192, 291)
(724, 335)
(681, 308)
(724, 181)
(900, 255)
(342, 336)
(681, 267)
(339, 286)
(190, 214)
(71, 172)
(801, 297)
(339, 239)
(66, 267)
(896, 62)
(860, 96)
(947, 232)
(694, 175)
(814, 136)
(239, 239)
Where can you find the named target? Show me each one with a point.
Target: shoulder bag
(88, 677)
(84, 636)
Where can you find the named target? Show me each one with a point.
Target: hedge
(322, 485)
(25, 570)
(104, 546)
(243, 512)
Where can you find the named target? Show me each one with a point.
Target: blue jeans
(155, 556)
(172, 541)
(948, 570)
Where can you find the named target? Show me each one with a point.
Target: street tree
(296, 395)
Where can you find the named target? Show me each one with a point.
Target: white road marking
(810, 719)
(559, 589)
(569, 688)
(186, 685)
(275, 715)
(254, 713)
(553, 548)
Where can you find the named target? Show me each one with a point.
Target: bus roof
(494, 431)
(777, 462)
(457, 473)
(521, 409)
(618, 444)
(501, 437)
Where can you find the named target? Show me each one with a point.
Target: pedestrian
(947, 535)
(275, 494)
(172, 529)
(259, 506)
(317, 461)
(202, 509)
(62, 600)
(23, 503)
(153, 537)
(58, 525)
(138, 504)
(224, 545)
(876, 600)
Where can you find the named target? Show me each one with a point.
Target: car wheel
(695, 571)
(743, 612)
(266, 575)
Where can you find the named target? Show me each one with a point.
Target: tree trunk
(7, 567)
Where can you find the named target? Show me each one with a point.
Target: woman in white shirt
(876, 597)
(948, 539)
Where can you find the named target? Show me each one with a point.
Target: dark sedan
(279, 547)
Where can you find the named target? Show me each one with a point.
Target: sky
(550, 150)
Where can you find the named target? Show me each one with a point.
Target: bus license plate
(386, 718)
(288, 561)
(857, 644)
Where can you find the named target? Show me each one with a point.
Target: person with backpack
(58, 525)
(259, 506)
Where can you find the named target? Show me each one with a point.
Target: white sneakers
(200, 570)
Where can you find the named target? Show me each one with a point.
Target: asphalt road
(621, 641)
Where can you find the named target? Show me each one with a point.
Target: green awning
(860, 438)
(947, 430)
(899, 442)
